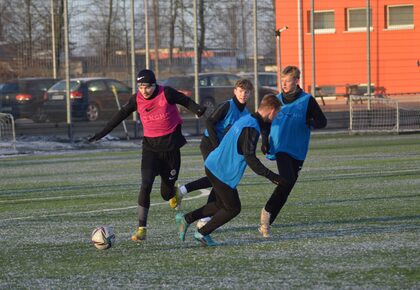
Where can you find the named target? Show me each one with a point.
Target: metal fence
(105, 37)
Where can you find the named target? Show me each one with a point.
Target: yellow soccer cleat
(175, 202)
(139, 235)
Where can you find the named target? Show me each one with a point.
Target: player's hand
(264, 149)
(310, 123)
(93, 138)
(201, 110)
(277, 179)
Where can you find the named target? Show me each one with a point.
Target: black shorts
(165, 164)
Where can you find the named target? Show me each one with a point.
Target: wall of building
(341, 56)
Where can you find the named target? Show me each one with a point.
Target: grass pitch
(352, 221)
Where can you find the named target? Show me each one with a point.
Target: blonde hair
(291, 70)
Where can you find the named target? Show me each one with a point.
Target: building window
(400, 16)
(323, 22)
(356, 19)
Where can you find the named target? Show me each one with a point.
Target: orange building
(341, 50)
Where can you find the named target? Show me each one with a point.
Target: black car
(265, 79)
(91, 98)
(214, 88)
(23, 98)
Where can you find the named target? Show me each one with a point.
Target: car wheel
(92, 112)
(210, 104)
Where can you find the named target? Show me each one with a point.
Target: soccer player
(225, 167)
(217, 126)
(289, 140)
(162, 140)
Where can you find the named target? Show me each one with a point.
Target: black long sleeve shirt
(164, 143)
(314, 116)
(247, 145)
(218, 115)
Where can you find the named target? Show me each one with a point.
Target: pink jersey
(159, 118)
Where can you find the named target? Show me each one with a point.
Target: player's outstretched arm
(120, 116)
(175, 97)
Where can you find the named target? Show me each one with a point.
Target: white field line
(53, 198)
(203, 193)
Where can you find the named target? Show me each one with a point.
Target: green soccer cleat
(205, 240)
(182, 225)
(175, 202)
(139, 235)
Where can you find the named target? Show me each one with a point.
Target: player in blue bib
(289, 140)
(217, 125)
(225, 167)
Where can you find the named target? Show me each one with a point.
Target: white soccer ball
(103, 237)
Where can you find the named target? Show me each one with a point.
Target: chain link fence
(32, 37)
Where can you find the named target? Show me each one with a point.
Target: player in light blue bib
(225, 167)
(289, 140)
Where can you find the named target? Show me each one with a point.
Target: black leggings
(226, 206)
(205, 147)
(288, 169)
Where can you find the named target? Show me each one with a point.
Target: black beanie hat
(146, 76)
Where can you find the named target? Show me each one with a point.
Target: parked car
(91, 98)
(265, 79)
(23, 98)
(214, 88)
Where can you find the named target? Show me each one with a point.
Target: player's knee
(234, 210)
(167, 192)
(145, 188)
(143, 200)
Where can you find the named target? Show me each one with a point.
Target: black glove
(93, 139)
(264, 149)
(265, 143)
(276, 179)
(310, 123)
(201, 110)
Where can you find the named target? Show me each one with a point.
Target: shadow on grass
(355, 199)
(248, 235)
(351, 228)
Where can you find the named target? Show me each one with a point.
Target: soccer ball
(103, 237)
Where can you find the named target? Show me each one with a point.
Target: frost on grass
(49, 144)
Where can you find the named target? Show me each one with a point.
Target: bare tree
(99, 32)
(173, 11)
(244, 34)
(58, 32)
(156, 34)
(3, 11)
(126, 30)
(108, 33)
(27, 42)
(202, 33)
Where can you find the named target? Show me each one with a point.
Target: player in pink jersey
(156, 106)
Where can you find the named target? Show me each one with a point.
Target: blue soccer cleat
(205, 240)
(182, 225)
